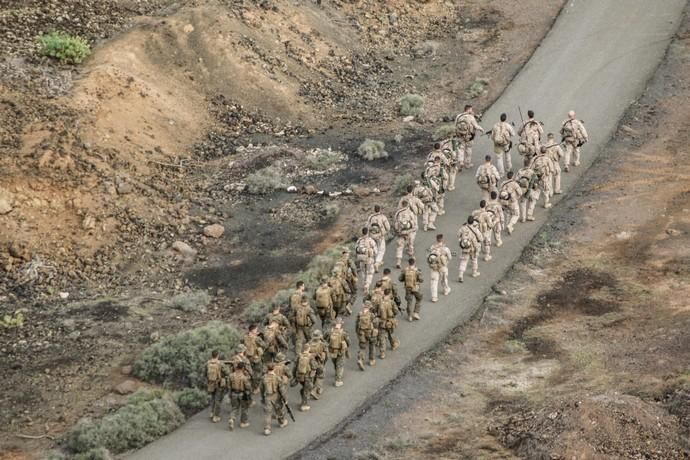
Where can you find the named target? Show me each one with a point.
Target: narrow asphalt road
(595, 60)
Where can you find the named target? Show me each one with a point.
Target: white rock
(184, 249)
(408, 118)
(292, 189)
(5, 206)
(63, 295)
(214, 231)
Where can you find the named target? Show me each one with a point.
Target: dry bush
(265, 181)
(372, 150)
(411, 104)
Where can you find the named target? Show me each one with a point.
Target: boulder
(126, 387)
(184, 249)
(214, 231)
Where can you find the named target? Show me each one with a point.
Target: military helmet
(465, 243)
(317, 334)
(280, 358)
(241, 348)
(504, 195)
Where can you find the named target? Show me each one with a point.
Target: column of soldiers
(260, 366)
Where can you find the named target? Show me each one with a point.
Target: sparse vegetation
(426, 49)
(321, 160)
(401, 183)
(477, 88)
(372, 150)
(411, 104)
(67, 49)
(265, 181)
(444, 132)
(13, 321)
(178, 360)
(143, 419)
(190, 301)
(191, 400)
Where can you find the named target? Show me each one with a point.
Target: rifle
(285, 404)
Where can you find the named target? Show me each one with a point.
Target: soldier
(379, 227)
(376, 297)
(530, 137)
(349, 271)
(501, 135)
(319, 349)
(466, 127)
(555, 153)
(574, 135)
(303, 373)
(340, 294)
(426, 196)
(527, 180)
(448, 147)
(387, 312)
(323, 297)
(470, 239)
(496, 209)
(544, 169)
(366, 250)
(484, 219)
(338, 344)
(303, 319)
(412, 278)
(387, 283)
(366, 327)
(274, 340)
(296, 297)
(276, 316)
(280, 367)
(405, 223)
(216, 375)
(510, 198)
(442, 160)
(435, 177)
(240, 396)
(439, 256)
(273, 397)
(241, 357)
(415, 204)
(255, 346)
(487, 177)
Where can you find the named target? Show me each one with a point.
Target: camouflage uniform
(255, 352)
(216, 376)
(501, 135)
(366, 250)
(366, 327)
(439, 256)
(303, 320)
(437, 182)
(487, 177)
(319, 349)
(240, 387)
(387, 312)
(406, 230)
(275, 342)
(544, 169)
(466, 127)
(470, 239)
(338, 344)
(510, 197)
(486, 225)
(450, 150)
(341, 296)
(303, 373)
(496, 210)
(528, 181)
(426, 196)
(530, 139)
(412, 277)
(574, 135)
(323, 297)
(555, 153)
(273, 394)
(379, 227)
(279, 318)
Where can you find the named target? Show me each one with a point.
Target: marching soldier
(319, 348)
(379, 227)
(501, 135)
(273, 397)
(439, 256)
(367, 334)
(323, 297)
(255, 347)
(510, 198)
(466, 128)
(470, 239)
(406, 230)
(303, 373)
(303, 319)
(411, 277)
(240, 396)
(338, 344)
(387, 311)
(487, 177)
(574, 136)
(366, 250)
(530, 138)
(216, 375)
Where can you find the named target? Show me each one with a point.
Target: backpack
(498, 135)
(213, 371)
(304, 364)
(411, 278)
(567, 130)
(462, 126)
(525, 178)
(237, 381)
(335, 341)
(250, 343)
(323, 297)
(365, 322)
(434, 260)
(362, 249)
(302, 316)
(405, 223)
(465, 243)
(375, 229)
(540, 166)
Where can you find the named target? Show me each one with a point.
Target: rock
(214, 231)
(184, 249)
(292, 189)
(408, 119)
(88, 223)
(673, 232)
(126, 370)
(155, 336)
(361, 191)
(20, 251)
(310, 190)
(5, 206)
(124, 188)
(63, 295)
(398, 138)
(126, 387)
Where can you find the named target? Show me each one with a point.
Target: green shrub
(401, 183)
(323, 160)
(179, 360)
(372, 150)
(265, 181)
(443, 132)
(130, 427)
(190, 301)
(66, 48)
(477, 88)
(100, 453)
(256, 311)
(191, 400)
(411, 104)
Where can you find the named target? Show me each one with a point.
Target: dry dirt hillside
(158, 167)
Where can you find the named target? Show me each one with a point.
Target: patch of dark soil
(106, 312)
(575, 293)
(678, 266)
(541, 348)
(677, 402)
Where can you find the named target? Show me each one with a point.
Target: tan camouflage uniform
(439, 257)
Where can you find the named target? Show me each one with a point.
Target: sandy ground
(583, 350)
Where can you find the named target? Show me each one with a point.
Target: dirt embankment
(104, 167)
(583, 351)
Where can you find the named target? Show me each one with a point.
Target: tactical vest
(411, 278)
(323, 298)
(252, 348)
(335, 341)
(365, 321)
(238, 381)
(271, 384)
(213, 371)
(303, 364)
(302, 316)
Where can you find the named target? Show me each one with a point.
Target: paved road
(596, 60)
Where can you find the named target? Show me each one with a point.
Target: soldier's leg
(557, 182)
(399, 250)
(360, 353)
(523, 208)
(433, 279)
(464, 258)
(244, 412)
(382, 342)
(441, 203)
(486, 246)
(567, 155)
(339, 369)
(443, 273)
(410, 243)
(381, 251)
(497, 231)
(532, 199)
(280, 414)
(391, 338)
(257, 372)
(508, 161)
(268, 416)
(433, 211)
(417, 304)
(372, 351)
(234, 410)
(305, 393)
(576, 155)
(475, 265)
(498, 152)
(452, 174)
(216, 399)
(408, 303)
(547, 192)
(468, 153)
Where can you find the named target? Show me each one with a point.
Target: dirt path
(597, 58)
(586, 356)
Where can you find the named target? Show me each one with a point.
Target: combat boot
(372, 362)
(396, 344)
(415, 316)
(215, 419)
(339, 383)
(244, 424)
(303, 408)
(284, 423)
(432, 227)
(382, 355)
(267, 432)
(475, 274)
(360, 363)
(231, 425)
(461, 279)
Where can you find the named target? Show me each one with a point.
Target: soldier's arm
(419, 276)
(401, 277)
